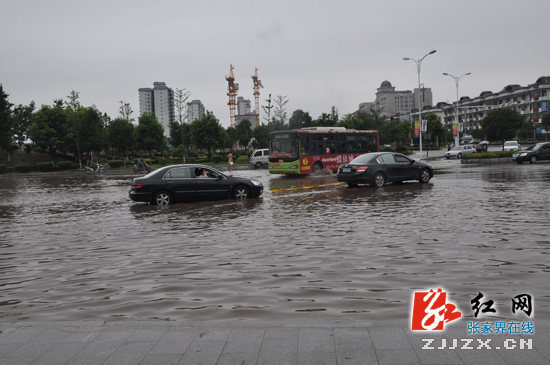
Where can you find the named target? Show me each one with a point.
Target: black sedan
(539, 151)
(191, 182)
(379, 168)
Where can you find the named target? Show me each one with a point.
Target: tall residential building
(158, 100)
(243, 106)
(195, 110)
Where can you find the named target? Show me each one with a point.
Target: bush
(25, 167)
(44, 166)
(217, 158)
(192, 159)
(243, 159)
(165, 161)
(115, 163)
(192, 154)
(494, 154)
(178, 151)
(3, 169)
(10, 169)
(75, 166)
(64, 165)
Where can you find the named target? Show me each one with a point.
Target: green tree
(180, 103)
(207, 133)
(527, 129)
(477, 133)
(324, 120)
(6, 123)
(300, 119)
(231, 137)
(49, 128)
(267, 110)
(501, 124)
(91, 130)
(393, 131)
(545, 121)
(149, 134)
(120, 134)
(176, 134)
(261, 133)
(22, 119)
(243, 131)
(72, 110)
(435, 128)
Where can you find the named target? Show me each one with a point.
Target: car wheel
(352, 184)
(424, 176)
(378, 180)
(258, 165)
(533, 159)
(162, 198)
(317, 166)
(241, 192)
(459, 156)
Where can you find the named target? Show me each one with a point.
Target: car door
(212, 186)
(180, 183)
(544, 152)
(407, 170)
(392, 169)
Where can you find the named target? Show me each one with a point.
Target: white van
(260, 157)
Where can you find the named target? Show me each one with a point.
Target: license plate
(513, 157)
(346, 169)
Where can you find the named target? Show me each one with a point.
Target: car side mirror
(219, 178)
(412, 161)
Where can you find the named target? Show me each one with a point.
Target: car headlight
(256, 182)
(523, 154)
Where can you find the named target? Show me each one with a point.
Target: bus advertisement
(307, 150)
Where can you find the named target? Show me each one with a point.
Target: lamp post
(457, 138)
(418, 63)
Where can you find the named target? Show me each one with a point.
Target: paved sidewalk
(246, 342)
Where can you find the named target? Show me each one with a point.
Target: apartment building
(160, 101)
(195, 110)
(391, 102)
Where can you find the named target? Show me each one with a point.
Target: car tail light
(135, 186)
(362, 168)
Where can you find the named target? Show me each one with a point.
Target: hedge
(115, 163)
(243, 158)
(64, 165)
(192, 159)
(217, 158)
(44, 166)
(493, 154)
(25, 167)
(164, 161)
(3, 169)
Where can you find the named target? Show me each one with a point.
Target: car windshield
(458, 148)
(535, 147)
(366, 158)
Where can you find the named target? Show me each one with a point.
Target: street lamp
(418, 63)
(457, 138)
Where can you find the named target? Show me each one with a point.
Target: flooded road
(76, 248)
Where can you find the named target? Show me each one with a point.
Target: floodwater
(76, 248)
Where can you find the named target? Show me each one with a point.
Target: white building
(391, 102)
(160, 101)
(195, 110)
(243, 106)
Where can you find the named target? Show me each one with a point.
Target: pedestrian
(230, 162)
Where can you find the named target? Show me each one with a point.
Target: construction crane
(232, 88)
(257, 85)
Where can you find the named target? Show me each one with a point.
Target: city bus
(307, 150)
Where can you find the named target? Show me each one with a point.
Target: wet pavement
(308, 253)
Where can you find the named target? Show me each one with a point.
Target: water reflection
(76, 248)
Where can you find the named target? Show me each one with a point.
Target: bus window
(304, 145)
(317, 145)
(328, 144)
(340, 142)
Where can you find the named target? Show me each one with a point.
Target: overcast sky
(318, 53)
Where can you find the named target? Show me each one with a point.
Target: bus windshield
(284, 145)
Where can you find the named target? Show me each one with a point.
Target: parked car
(511, 146)
(377, 169)
(259, 157)
(539, 151)
(459, 151)
(191, 182)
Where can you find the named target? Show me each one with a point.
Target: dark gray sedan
(191, 182)
(534, 153)
(379, 168)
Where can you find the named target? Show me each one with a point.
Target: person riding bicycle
(93, 164)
